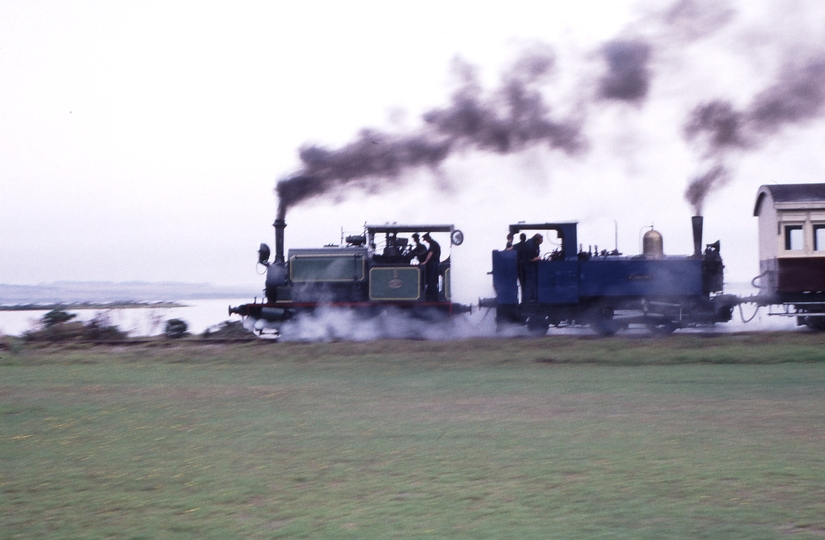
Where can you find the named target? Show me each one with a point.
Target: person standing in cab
(419, 252)
(534, 248)
(532, 255)
(431, 262)
(521, 258)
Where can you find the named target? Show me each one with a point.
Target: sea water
(199, 315)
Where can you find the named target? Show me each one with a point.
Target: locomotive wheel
(662, 327)
(607, 328)
(816, 324)
(603, 323)
(537, 325)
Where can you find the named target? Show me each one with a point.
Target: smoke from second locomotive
(797, 97)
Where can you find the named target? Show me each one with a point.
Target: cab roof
(395, 228)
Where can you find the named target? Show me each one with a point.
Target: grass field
(559, 437)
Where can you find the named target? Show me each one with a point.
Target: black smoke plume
(716, 177)
(796, 98)
(628, 76)
(516, 115)
(510, 119)
(719, 124)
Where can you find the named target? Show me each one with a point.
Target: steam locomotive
(356, 275)
(605, 290)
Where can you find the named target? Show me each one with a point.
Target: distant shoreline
(91, 305)
(106, 294)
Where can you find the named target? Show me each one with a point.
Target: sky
(143, 141)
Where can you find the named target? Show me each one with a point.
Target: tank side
(641, 277)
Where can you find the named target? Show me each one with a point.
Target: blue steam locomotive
(606, 290)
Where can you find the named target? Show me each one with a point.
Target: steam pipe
(697, 235)
(279, 225)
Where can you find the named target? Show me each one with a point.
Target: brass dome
(653, 244)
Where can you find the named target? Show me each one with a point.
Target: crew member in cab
(431, 262)
(418, 251)
(531, 255)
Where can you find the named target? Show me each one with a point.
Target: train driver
(532, 254)
(533, 248)
(419, 252)
(431, 262)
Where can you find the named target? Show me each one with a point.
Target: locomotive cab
(396, 273)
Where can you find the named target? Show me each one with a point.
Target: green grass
(560, 437)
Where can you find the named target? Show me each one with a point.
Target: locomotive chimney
(279, 225)
(697, 235)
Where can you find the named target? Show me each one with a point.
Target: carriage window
(793, 238)
(819, 237)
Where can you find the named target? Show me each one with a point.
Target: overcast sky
(143, 140)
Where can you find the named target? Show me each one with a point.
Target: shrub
(57, 316)
(65, 331)
(9, 343)
(176, 328)
(228, 329)
(100, 328)
(57, 325)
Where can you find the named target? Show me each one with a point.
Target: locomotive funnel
(279, 225)
(697, 235)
